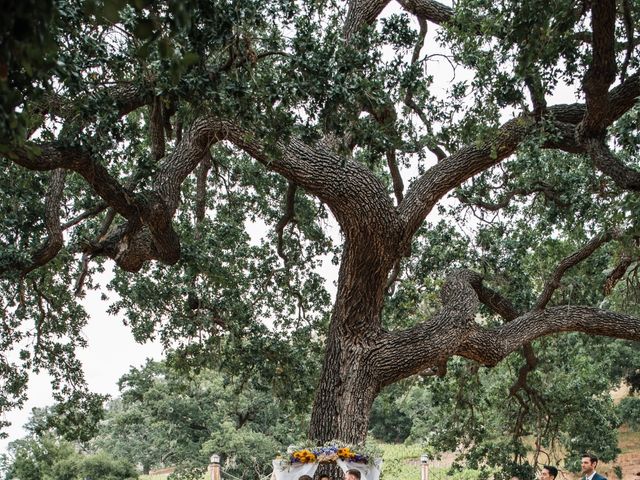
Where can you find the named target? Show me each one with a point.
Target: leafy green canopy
(284, 69)
(164, 418)
(44, 455)
(230, 295)
(230, 301)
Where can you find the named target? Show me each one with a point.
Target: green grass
(400, 462)
(403, 463)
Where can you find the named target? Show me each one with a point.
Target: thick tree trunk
(348, 384)
(344, 397)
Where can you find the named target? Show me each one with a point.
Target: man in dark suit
(589, 463)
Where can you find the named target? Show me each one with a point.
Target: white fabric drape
(370, 471)
(293, 471)
(283, 471)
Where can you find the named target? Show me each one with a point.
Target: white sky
(110, 352)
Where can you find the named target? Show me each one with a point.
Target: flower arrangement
(303, 456)
(330, 453)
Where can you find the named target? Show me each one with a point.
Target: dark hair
(305, 477)
(591, 457)
(355, 473)
(553, 471)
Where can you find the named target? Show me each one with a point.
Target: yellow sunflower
(345, 452)
(305, 456)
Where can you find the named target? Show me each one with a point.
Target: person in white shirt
(589, 463)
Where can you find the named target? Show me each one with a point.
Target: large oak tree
(151, 134)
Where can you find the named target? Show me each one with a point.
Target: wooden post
(215, 467)
(424, 461)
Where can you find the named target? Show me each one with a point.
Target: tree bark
(348, 384)
(345, 395)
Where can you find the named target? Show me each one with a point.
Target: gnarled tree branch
(52, 156)
(430, 10)
(91, 212)
(618, 272)
(54, 241)
(287, 217)
(360, 13)
(490, 346)
(458, 167)
(541, 187)
(602, 72)
(571, 261)
(454, 331)
(149, 211)
(396, 178)
(604, 160)
(125, 98)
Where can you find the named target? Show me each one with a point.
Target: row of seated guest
(351, 475)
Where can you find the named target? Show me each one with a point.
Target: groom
(589, 463)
